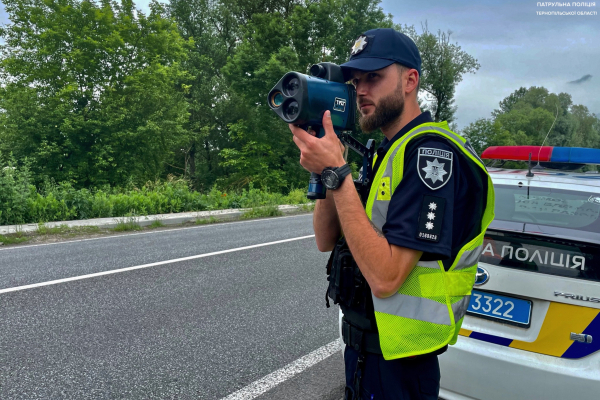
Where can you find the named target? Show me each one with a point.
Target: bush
(15, 190)
(21, 202)
(296, 196)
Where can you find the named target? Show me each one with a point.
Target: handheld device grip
(316, 189)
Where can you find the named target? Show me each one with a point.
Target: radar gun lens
(291, 110)
(291, 88)
(277, 99)
(318, 71)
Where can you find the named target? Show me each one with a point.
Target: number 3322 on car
(496, 307)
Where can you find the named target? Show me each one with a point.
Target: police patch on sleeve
(431, 218)
(434, 167)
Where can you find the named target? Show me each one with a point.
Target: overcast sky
(515, 47)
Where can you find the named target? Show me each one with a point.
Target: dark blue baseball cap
(378, 48)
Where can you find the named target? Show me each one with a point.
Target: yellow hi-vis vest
(427, 311)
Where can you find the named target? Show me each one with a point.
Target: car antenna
(530, 174)
(538, 166)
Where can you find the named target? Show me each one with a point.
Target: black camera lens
(318, 71)
(292, 86)
(291, 110)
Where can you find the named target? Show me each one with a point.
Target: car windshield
(548, 206)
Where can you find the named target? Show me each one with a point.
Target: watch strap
(342, 171)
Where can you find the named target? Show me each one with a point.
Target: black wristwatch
(332, 178)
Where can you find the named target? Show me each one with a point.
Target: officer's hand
(317, 154)
(342, 147)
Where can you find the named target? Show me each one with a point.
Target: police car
(532, 330)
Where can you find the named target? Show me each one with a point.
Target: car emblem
(481, 277)
(577, 297)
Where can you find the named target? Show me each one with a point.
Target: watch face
(330, 179)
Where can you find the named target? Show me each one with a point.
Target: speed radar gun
(302, 100)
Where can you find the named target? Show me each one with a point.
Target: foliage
(206, 221)
(443, 67)
(15, 190)
(127, 224)
(21, 202)
(262, 212)
(13, 238)
(96, 96)
(64, 229)
(90, 90)
(157, 223)
(260, 148)
(528, 115)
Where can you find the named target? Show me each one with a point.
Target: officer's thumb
(327, 124)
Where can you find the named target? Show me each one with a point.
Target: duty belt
(360, 340)
(368, 341)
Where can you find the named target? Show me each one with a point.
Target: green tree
(214, 27)
(486, 132)
(528, 116)
(443, 66)
(89, 91)
(272, 44)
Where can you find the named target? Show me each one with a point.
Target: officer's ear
(411, 80)
(409, 77)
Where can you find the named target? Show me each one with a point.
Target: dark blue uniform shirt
(440, 199)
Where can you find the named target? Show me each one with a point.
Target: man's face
(379, 97)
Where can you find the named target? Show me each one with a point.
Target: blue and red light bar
(572, 155)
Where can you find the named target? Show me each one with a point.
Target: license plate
(497, 307)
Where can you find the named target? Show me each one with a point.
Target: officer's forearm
(326, 223)
(385, 267)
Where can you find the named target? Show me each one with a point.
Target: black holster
(347, 286)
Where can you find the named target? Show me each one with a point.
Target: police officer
(404, 259)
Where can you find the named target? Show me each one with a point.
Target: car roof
(587, 181)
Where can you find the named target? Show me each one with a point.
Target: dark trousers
(416, 378)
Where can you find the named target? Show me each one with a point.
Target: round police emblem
(434, 167)
(359, 45)
(482, 276)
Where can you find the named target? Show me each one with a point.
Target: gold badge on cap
(359, 45)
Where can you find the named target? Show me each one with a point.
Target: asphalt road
(196, 329)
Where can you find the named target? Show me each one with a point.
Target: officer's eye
(354, 82)
(372, 75)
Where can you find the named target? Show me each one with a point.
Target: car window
(548, 206)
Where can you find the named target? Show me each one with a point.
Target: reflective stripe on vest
(427, 311)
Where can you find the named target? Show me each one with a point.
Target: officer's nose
(361, 89)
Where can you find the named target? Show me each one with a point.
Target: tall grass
(21, 202)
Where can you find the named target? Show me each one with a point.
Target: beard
(388, 110)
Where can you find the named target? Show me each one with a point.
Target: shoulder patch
(431, 218)
(434, 167)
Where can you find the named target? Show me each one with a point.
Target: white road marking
(116, 271)
(148, 233)
(262, 385)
